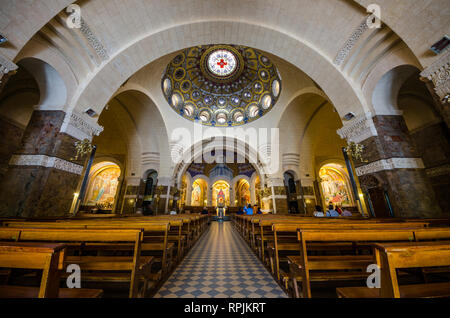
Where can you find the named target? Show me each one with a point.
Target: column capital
(359, 128)
(80, 127)
(439, 74)
(6, 66)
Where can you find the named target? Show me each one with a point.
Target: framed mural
(335, 187)
(103, 185)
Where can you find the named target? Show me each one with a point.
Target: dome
(221, 85)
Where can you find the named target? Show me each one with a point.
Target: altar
(221, 211)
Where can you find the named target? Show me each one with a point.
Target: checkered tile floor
(221, 265)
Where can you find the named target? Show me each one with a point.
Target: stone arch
(220, 144)
(305, 57)
(53, 92)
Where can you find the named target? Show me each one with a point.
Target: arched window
(150, 185)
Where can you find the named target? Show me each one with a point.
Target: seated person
(173, 212)
(258, 210)
(332, 212)
(346, 213)
(204, 211)
(249, 210)
(319, 212)
(339, 210)
(240, 211)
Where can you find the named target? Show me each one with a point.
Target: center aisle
(221, 265)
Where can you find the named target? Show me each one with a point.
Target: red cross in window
(222, 63)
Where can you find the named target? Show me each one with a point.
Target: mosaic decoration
(221, 85)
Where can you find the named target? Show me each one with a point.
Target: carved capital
(439, 74)
(358, 129)
(7, 66)
(80, 127)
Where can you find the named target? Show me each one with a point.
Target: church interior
(224, 149)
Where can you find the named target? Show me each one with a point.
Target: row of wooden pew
(304, 250)
(139, 252)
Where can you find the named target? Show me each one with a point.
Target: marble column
(393, 160)
(433, 142)
(41, 178)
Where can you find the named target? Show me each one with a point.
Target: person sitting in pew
(258, 210)
(249, 210)
(240, 211)
(205, 211)
(332, 212)
(319, 212)
(346, 213)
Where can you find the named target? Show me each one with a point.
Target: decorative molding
(439, 74)
(358, 129)
(390, 164)
(348, 46)
(151, 159)
(291, 161)
(79, 127)
(6, 66)
(45, 161)
(94, 41)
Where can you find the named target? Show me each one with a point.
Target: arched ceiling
(130, 34)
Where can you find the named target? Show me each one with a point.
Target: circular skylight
(221, 85)
(222, 62)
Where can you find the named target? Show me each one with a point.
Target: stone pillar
(11, 137)
(278, 195)
(433, 142)
(209, 196)
(437, 76)
(41, 178)
(309, 197)
(130, 201)
(392, 159)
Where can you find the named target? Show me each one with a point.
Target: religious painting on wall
(197, 194)
(218, 187)
(103, 187)
(334, 187)
(243, 193)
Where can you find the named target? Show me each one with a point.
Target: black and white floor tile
(221, 265)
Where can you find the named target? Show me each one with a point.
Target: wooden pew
(305, 266)
(396, 256)
(285, 237)
(40, 256)
(130, 269)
